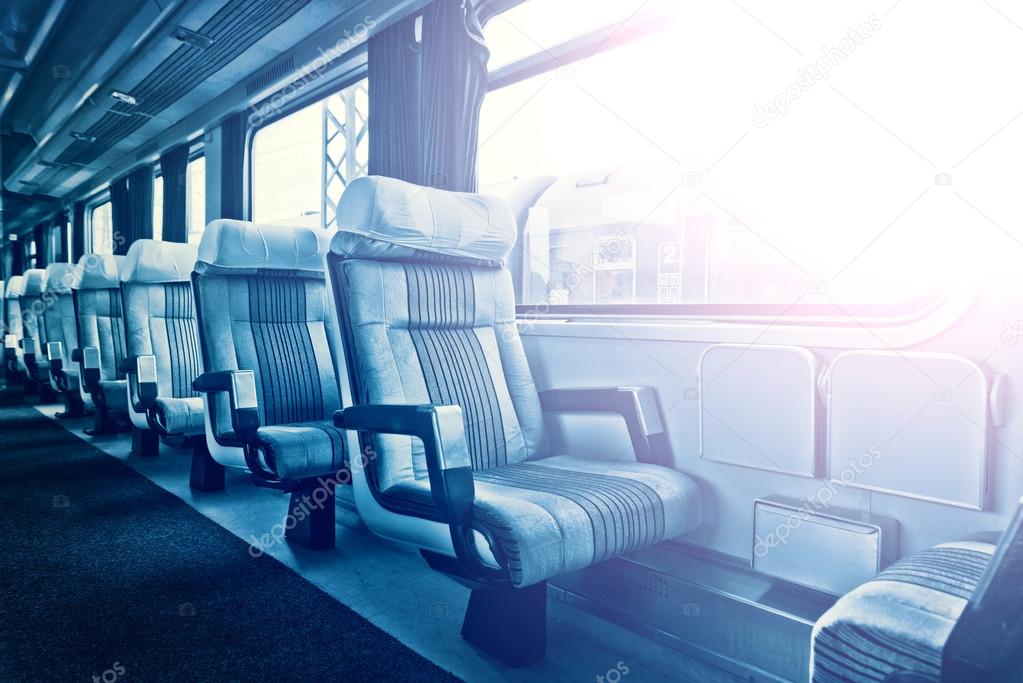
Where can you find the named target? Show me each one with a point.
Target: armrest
(240, 386)
(142, 381)
(638, 405)
(76, 356)
(55, 356)
(28, 350)
(452, 486)
(91, 368)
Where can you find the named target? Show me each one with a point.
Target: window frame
(91, 204)
(644, 24)
(314, 95)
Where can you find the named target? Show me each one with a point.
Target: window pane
(158, 207)
(538, 25)
(102, 232)
(686, 187)
(302, 162)
(195, 179)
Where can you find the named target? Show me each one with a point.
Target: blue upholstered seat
(901, 619)
(261, 294)
(160, 321)
(97, 302)
(59, 318)
(428, 316)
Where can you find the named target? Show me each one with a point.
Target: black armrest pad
(637, 405)
(442, 433)
(76, 356)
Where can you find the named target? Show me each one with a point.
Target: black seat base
(207, 474)
(508, 623)
(105, 422)
(74, 407)
(312, 515)
(144, 442)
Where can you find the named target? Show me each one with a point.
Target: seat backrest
(427, 313)
(32, 307)
(12, 295)
(261, 303)
(159, 312)
(59, 315)
(97, 300)
(986, 643)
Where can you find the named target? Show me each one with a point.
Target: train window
(101, 229)
(158, 207)
(708, 188)
(526, 29)
(195, 180)
(302, 162)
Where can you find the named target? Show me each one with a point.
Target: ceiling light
(83, 137)
(123, 97)
(186, 35)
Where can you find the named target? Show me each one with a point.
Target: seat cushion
(68, 380)
(563, 513)
(301, 451)
(901, 619)
(114, 394)
(181, 416)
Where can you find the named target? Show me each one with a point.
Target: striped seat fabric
(97, 302)
(900, 620)
(160, 321)
(428, 313)
(33, 323)
(262, 307)
(59, 318)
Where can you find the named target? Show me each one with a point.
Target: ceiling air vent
(193, 38)
(271, 75)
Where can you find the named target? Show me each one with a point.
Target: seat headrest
(14, 287)
(242, 248)
(60, 278)
(153, 261)
(98, 271)
(34, 282)
(385, 218)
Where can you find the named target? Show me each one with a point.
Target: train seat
(268, 347)
(14, 363)
(100, 354)
(950, 613)
(62, 336)
(162, 347)
(33, 327)
(427, 310)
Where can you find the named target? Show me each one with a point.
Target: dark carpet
(104, 576)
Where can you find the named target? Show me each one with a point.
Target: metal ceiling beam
(42, 35)
(11, 64)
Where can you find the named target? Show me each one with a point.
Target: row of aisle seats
(386, 356)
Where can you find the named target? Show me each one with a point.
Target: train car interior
(511, 340)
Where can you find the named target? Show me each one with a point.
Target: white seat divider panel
(758, 407)
(909, 424)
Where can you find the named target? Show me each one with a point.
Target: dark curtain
(173, 167)
(120, 214)
(64, 253)
(424, 104)
(17, 263)
(394, 76)
(454, 83)
(131, 199)
(77, 231)
(232, 167)
(39, 233)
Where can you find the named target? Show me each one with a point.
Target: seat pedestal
(508, 623)
(207, 474)
(104, 423)
(311, 515)
(74, 406)
(144, 442)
